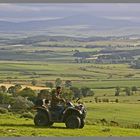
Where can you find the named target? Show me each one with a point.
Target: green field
(95, 76)
(118, 112)
(92, 75)
(13, 125)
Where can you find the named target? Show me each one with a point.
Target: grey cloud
(21, 12)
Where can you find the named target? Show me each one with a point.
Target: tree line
(128, 90)
(24, 98)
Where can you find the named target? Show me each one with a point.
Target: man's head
(58, 89)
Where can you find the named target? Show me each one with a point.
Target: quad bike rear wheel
(41, 119)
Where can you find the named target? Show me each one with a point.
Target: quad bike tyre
(82, 123)
(73, 122)
(42, 119)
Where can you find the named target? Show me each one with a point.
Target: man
(56, 98)
(56, 102)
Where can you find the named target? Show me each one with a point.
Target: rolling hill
(79, 23)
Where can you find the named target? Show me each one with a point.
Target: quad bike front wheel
(73, 122)
(82, 123)
(51, 123)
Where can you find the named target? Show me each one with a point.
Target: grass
(126, 112)
(119, 112)
(108, 83)
(11, 125)
(97, 75)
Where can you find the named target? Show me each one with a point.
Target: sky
(28, 12)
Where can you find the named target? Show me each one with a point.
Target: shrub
(68, 94)
(117, 92)
(136, 126)
(129, 75)
(58, 82)
(27, 115)
(128, 91)
(96, 99)
(76, 91)
(4, 98)
(114, 123)
(68, 83)
(106, 129)
(3, 110)
(34, 82)
(105, 100)
(21, 103)
(49, 84)
(99, 100)
(44, 93)
(27, 92)
(117, 100)
(3, 89)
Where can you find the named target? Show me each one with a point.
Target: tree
(77, 60)
(12, 90)
(117, 91)
(134, 89)
(96, 99)
(4, 98)
(91, 93)
(127, 91)
(44, 93)
(49, 84)
(67, 94)
(68, 83)
(18, 86)
(58, 82)
(28, 93)
(3, 89)
(86, 91)
(76, 91)
(136, 64)
(34, 82)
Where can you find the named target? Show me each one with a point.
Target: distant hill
(77, 23)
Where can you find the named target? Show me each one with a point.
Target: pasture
(14, 125)
(125, 113)
(91, 75)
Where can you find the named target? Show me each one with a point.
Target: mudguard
(69, 111)
(43, 109)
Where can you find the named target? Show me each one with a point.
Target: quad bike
(72, 115)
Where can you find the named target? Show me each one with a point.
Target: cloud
(129, 18)
(70, 6)
(17, 8)
(27, 11)
(28, 19)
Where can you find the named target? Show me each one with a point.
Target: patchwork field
(48, 60)
(92, 75)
